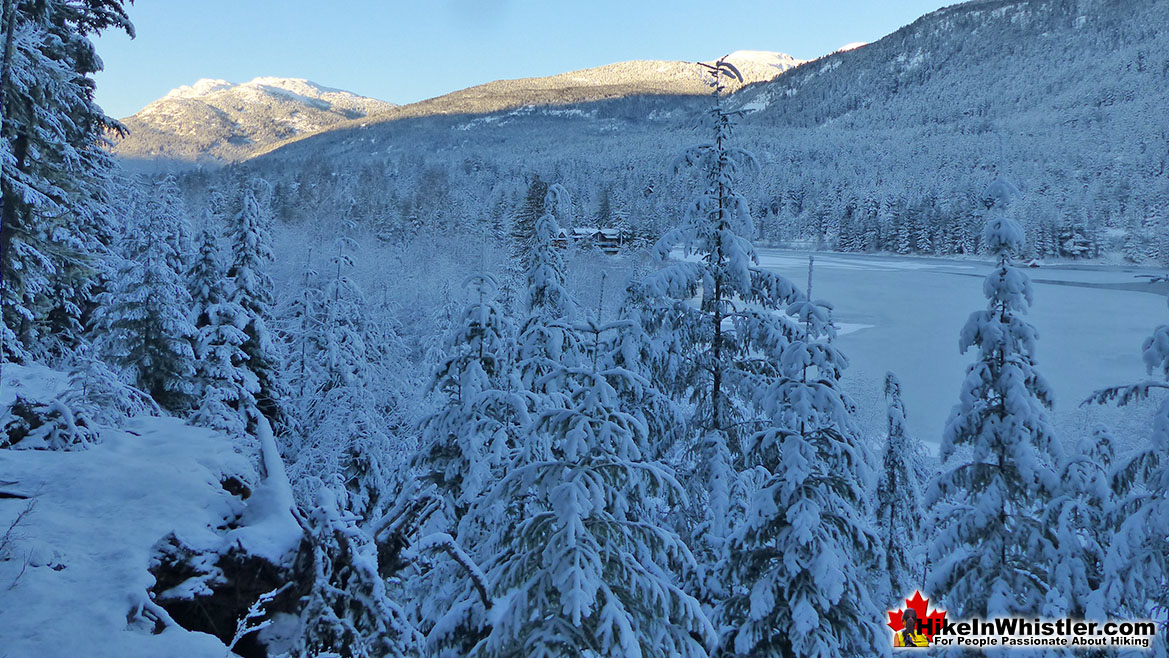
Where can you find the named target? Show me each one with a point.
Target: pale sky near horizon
(405, 51)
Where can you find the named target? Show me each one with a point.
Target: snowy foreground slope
(74, 571)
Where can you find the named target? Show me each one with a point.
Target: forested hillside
(886, 147)
(512, 374)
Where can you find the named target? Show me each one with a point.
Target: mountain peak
(779, 60)
(206, 87)
(215, 119)
(202, 87)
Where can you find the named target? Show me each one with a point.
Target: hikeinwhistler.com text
(1020, 632)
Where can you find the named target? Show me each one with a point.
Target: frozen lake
(904, 314)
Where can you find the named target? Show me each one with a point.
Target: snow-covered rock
(80, 531)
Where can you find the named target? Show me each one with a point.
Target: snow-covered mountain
(613, 81)
(220, 120)
(1061, 98)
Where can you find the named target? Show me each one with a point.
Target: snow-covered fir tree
(546, 341)
(342, 409)
(300, 319)
(479, 420)
(481, 412)
(1080, 516)
(576, 567)
(705, 354)
(54, 171)
(226, 386)
(442, 319)
(795, 562)
(251, 289)
(143, 324)
(992, 551)
(899, 511)
(166, 195)
(1137, 562)
(635, 350)
(521, 235)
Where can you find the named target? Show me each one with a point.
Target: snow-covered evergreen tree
(345, 323)
(252, 291)
(479, 421)
(206, 282)
(635, 350)
(522, 234)
(348, 612)
(546, 341)
(342, 406)
(96, 392)
(1137, 564)
(705, 355)
(54, 170)
(480, 414)
(226, 387)
(169, 202)
(578, 568)
(301, 328)
(441, 325)
(143, 321)
(900, 516)
(795, 562)
(992, 552)
(1080, 517)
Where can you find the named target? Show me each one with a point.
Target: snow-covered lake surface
(904, 314)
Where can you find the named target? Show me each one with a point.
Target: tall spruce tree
(577, 566)
(794, 563)
(992, 552)
(900, 515)
(54, 170)
(301, 328)
(1079, 515)
(706, 355)
(479, 420)
(522, 235)
(466, 442)
(252, 291)
(169, 198)
(346, 422)
(546, 341)
(346, 325)
(226, 386)
(143, 317)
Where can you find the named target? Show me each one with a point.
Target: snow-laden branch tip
(441, 541)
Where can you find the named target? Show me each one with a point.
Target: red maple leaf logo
(930, 623)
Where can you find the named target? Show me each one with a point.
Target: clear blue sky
(407, 50)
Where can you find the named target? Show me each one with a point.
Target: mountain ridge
(214, 120)
(883, 147)
(209, 134)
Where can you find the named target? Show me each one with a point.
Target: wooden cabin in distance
(608, 240)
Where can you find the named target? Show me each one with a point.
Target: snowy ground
(904, 314)
(76, 565)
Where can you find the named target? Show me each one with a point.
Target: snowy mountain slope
(78, 560)
(613, 81)
(220, 120)
(985, 64)
(1063, 98)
